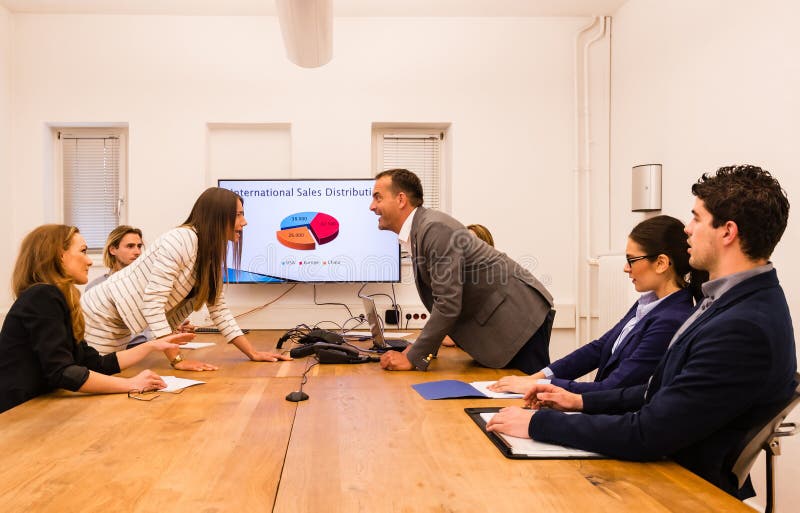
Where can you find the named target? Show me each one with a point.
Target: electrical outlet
(414, 318)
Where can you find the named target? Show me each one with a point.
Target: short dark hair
(406, 182)
(750, 197)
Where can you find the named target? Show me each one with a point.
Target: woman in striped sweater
(178, 274)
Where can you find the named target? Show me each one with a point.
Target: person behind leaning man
(482, 233)
(124, 245)
(182, 271)
(495, 310)
(657, 263)
(729, 368)
(41, 342)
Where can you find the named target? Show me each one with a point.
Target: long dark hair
(213, 217)
(664, 235)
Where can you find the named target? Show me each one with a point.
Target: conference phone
(331, 353)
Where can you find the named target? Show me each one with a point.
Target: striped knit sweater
(152, 291)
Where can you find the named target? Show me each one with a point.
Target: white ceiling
(341, 8)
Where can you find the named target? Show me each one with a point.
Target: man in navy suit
(730, 367)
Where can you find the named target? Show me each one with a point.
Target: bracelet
(175, 361)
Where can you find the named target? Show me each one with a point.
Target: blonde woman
(41, 342)
(482, 233)
(181, 272)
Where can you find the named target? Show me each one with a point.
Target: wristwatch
(175, 361)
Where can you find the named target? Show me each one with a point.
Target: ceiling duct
(307, 28)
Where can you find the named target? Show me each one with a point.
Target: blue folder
(446, 389)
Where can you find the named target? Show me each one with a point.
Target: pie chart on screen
(306, 230)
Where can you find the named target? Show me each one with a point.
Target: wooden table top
(364, 441)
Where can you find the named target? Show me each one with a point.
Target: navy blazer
(636, 356)
(731, 370)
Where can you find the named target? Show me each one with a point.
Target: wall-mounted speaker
(646, 188)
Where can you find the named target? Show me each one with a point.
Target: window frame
(439, 130)
(96, 131)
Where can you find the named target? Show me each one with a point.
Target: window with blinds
(420, 153)
(91, 176)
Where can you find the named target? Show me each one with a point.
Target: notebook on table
(525, 448)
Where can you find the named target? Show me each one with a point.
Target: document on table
(519, 448)
(197, 345)
(481, 386)
(455, 389)
(175, 383)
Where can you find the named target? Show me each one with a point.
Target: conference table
(363, 441)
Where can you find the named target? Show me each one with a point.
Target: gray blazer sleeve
(441, 257)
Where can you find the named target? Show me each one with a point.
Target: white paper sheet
(481, 386)
(197, 345)
(175, 383)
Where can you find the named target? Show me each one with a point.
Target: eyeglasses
(142, 395)
(632, 260)
(149, 395)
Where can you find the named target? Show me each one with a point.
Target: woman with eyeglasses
(181, 272)
(658, 265)
(41, 342)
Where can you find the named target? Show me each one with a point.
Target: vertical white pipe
(587, 175)
(577, 185)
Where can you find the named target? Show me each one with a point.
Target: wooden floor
(364, 441)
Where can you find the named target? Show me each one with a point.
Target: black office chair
(767, 437)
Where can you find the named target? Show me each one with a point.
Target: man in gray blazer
(493, 308)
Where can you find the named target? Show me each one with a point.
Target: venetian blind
(420, 154)
(91, 185)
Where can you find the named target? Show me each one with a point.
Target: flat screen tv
(312, 231)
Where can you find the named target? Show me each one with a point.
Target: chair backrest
(760, 437)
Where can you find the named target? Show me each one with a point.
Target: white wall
(6, 213)
(504, 84)
(698, 85)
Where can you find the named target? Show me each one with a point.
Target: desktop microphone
(297, 395)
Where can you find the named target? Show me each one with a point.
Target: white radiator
(615, 292)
